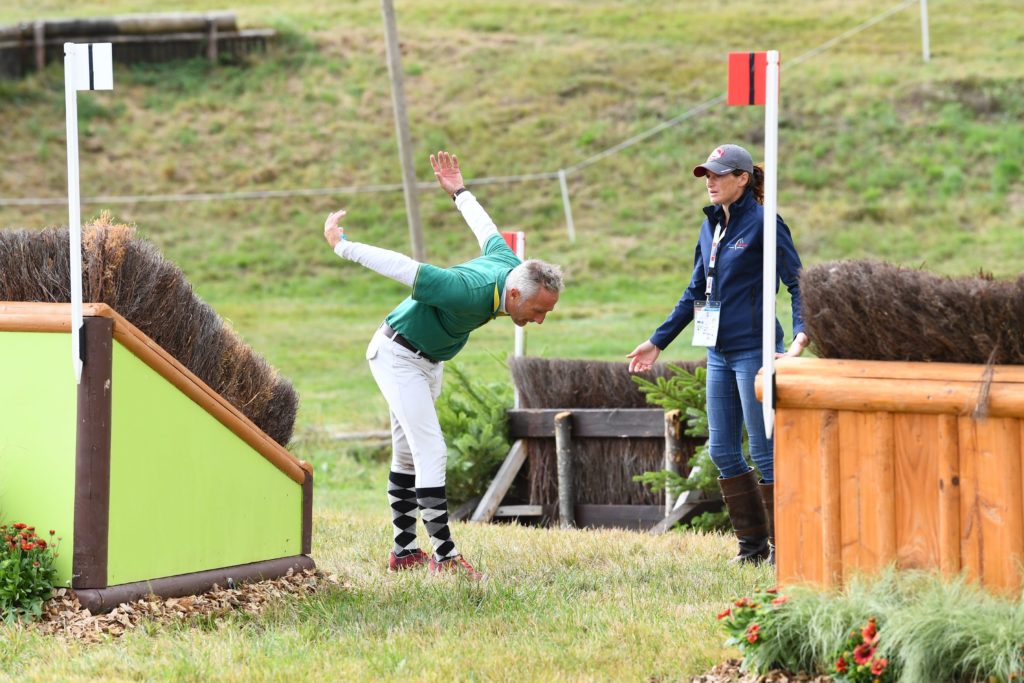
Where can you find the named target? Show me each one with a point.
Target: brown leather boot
(747, 514)
(768, 496)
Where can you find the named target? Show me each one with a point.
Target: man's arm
(448, 174)
(388, 263)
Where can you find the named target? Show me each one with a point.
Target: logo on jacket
(739, 244)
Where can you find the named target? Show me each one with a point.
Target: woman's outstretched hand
(642, 358)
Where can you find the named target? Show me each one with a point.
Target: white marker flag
(86, 67)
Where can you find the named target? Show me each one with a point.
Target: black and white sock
(434, 508)
(402, 496)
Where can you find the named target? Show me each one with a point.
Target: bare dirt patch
(729, 672)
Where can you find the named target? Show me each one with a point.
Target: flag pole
(74, 206)
(926, 48)
(771, 154)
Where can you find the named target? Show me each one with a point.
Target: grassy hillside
(881, 155)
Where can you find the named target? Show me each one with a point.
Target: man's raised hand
(333, 232)
(446, 170)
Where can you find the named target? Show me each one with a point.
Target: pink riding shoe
(455, 565)
(410, 561)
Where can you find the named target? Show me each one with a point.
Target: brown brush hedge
(870, 310)
(604, 468)
(131, 276)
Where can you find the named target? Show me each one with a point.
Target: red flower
(35, 564)
(870, 632)
(841, 665)
(863, 653)
(772, 590)
(724, 613)
(878, 666)
(41, 543)
(752, 633)
(781, 600)
(52, 532)
(27, 546)
(19, 525)
(742, 602)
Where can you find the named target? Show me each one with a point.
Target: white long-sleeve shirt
(400, 267)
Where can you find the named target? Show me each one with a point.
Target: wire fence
(561, 175)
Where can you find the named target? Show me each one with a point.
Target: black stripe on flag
(753, 77)
(92, 71)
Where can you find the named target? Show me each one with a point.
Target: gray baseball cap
(726, 159)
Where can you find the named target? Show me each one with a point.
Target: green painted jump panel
(186, 494)
(38, 405)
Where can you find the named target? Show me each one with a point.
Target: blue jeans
(731, 405)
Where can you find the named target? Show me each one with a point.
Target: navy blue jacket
(738, 281)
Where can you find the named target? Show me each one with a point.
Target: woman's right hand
(643, 357)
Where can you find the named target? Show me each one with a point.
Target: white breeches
(410, 385)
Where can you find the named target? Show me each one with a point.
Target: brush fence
(156, 483)
(882, 462)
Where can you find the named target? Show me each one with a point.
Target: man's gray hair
(531, 275)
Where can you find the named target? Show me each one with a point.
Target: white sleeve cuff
(476, 218)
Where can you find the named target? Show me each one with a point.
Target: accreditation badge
(705, 322)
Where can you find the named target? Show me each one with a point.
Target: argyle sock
(402, 496)
(434, 508)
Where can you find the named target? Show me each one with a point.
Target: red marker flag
(747, 76)
(512, 240)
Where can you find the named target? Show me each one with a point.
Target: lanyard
(719, 234)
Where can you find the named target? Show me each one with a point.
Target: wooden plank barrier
(564, 425)
(916, 464)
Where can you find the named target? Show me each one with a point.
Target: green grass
(558, 606)
(881, 156)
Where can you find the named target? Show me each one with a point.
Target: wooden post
(949, 495)
(566, 205)
(495, 493)
(412, 203)
(211, 40)
(39, 37)
(563, 448)
(673, 448)
(831, 501)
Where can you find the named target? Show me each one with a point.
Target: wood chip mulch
(63, 616)
(729, 672)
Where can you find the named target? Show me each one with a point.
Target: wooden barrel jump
(917, 464)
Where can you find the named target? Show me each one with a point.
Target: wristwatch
(458, 192)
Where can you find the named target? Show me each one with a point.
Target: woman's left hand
(800, 342)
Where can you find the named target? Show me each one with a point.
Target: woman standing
(724, 300)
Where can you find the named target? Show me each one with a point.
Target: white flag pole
(86, 67)
(926, 49)
(520, 345)
(771, 157)
(74, 208)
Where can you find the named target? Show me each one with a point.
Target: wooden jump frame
(563, 425)
(916, 464)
